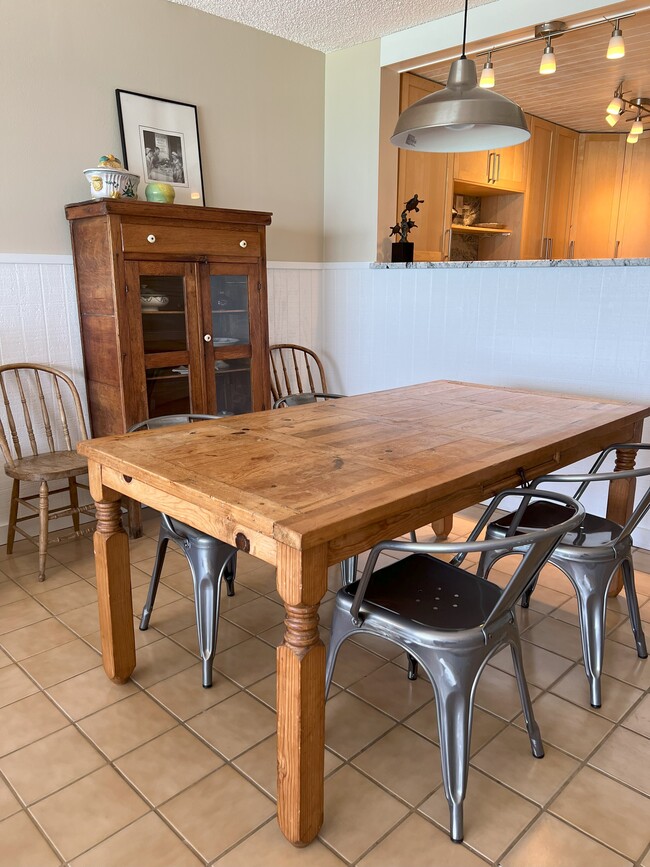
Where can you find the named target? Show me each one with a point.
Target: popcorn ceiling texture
(328, 25)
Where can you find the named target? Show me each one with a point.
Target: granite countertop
(518, 263)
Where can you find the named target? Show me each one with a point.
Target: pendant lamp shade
(461, 118)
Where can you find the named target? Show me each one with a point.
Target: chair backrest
(540, 546)
(295, 370)
(307, 397)
(168, 420)
(583, 480)
(42, 411)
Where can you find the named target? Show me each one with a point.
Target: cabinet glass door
(230, 316)
(166, 301)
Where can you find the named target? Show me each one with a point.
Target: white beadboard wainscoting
(580, 330)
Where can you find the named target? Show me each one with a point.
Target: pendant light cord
(463, 56)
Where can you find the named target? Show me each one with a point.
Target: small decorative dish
(153, 302)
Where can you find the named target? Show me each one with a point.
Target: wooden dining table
(305, 487)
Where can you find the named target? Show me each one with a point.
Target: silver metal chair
(210, 560)
(452, 622)
(305, 397)
(589, 558)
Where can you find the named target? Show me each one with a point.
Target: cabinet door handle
(618, 244)
(489, 166)
(550, 248)
(447, 233)
(498, 167)
(543, 250)
(243, 243)
(151, 239)
(572, 247)
(207, 338)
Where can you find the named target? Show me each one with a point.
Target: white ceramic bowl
(153, 302)
(112, 183)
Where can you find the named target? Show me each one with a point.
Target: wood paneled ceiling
(578, 93)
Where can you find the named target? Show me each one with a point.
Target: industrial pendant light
(463, 117)
(612, 119)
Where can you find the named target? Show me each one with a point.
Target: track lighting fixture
(616, 47)
(640, 106)
(548, 64)
(487, 75)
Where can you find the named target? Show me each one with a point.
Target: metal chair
(210, 560)
(295, 370)
(589, 558)
(42, 449)
(304, 398)
(452, 623)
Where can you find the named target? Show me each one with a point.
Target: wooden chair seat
(48, 467)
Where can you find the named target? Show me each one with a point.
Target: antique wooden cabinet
(173, 310)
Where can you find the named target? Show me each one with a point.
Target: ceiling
(328, 25)
(578, 93)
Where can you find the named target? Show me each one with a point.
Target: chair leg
(229, 573)
(591, 593)
(633, 609)
(163, 541)
(536, 745)
(74, 502)
(208, 565)
(412, 536)
(341, 628)
(413, 667)
(349, 570)
(13, 514)
(43, 514)
(454, 710)
(485, 563)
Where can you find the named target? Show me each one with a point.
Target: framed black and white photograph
(160, 141)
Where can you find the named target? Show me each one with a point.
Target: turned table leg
(620, 501)
(111, 547)
(302, 582)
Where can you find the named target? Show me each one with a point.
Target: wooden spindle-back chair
(295, 370)
(43, 419)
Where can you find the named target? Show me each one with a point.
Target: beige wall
(351, 153)
(260, 101)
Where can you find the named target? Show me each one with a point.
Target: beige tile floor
(162, 773)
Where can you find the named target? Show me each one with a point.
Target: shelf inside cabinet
(479, 230)
(230, 311)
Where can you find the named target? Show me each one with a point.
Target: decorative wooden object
(314, 484)
(51, 397)
(173, 311)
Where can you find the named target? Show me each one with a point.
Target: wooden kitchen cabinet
(549, 191)
(601, 157)
(632, 228)
(503, 170)
(173, 310)
(429, 175)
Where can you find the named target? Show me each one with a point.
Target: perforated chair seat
(423, 590)
(594, 532)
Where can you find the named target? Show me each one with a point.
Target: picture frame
(160, 142)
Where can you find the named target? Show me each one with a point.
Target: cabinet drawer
(185, 241)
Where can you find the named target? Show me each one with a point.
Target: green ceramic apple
(157, 192)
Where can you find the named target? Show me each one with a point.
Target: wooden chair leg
(13, 514)
(43, 506)
(74, 502)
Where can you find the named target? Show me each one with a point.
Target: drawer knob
(151, 239)
(243, 243)
(207, 338)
